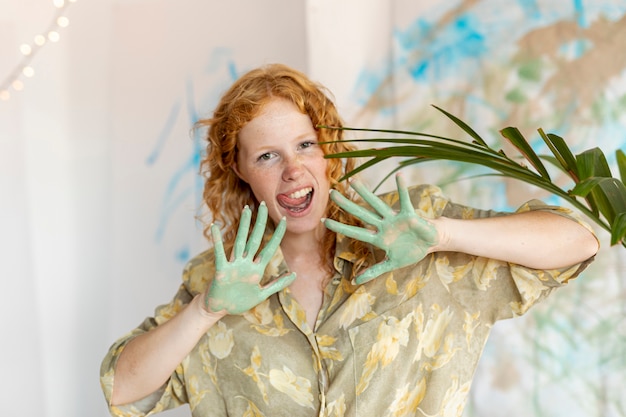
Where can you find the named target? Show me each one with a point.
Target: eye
(307, 144)
(265, 157)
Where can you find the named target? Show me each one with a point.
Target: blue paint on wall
(185, 184)
(440, 51)
(165, 133)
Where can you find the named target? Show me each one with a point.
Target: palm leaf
(561, 153)
(621, 164)
(517, 139)
(618, 232)
(595, 192)
(464, 126)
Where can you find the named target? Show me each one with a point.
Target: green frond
(595, 192)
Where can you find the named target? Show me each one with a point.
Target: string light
(29, 50)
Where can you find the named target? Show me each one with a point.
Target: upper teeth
(301, 193)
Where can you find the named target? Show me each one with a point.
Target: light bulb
(63, 21)
(40, 40)
(53, 36)
(28, 71)
(25, 49)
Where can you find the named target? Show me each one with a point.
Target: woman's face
(281, 161)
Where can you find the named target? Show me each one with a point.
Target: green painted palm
(595, 192)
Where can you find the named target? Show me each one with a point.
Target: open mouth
(297, 201)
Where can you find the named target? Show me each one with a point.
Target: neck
(298, 248)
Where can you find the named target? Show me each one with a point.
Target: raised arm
(149, 359)
(536, 239)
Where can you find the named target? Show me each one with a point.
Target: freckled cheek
(263, 184)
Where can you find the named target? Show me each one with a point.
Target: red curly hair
(225, 193)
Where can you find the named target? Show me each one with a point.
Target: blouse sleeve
(196, 276)
(498, 289)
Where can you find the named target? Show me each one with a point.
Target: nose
(293, 168)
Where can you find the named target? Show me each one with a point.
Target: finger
(371, 199)
(242, 233)
(218, 247)
(403, 194)
(354, 209)
(374, 272)
(270, 249)
(257, 232)
(354, 232)
(278, 284)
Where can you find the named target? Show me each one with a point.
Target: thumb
(278, 284)
(373, 272)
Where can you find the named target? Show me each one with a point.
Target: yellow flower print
(434, 338)
(207, 359)
(252, 410)
(391, 285)
(266, 322)
(168, 311)
(467, 213)
(390, 199)
(413, 285)
(296, 388)
(433, 334)
(194, 392)
(431, 201)
(454, 400)
(338, 296)
(106, 381)
(252, 372)
(197, 277)
(272, 268)
(563, 277)
(470, 325)
(296, 313)
(327, 349)
(392, 333)
(221, 340)
(450, 274)
(529, 286)
(407, 400)
(484, 271)
(358, 306)
(260, 315)
(336, 408)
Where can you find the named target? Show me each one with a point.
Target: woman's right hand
(236, 286)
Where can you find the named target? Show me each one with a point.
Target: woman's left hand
(404, 236)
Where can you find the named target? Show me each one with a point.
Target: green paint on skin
(404, 236)
(407, 241)
(233, 297)
(236, 286)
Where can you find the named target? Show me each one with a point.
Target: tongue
(293, 203)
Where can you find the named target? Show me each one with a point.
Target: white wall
(94, 160)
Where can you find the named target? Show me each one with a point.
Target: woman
(371, 311)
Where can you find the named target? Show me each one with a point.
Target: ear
(235, 169)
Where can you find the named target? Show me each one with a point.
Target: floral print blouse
(404, 344)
